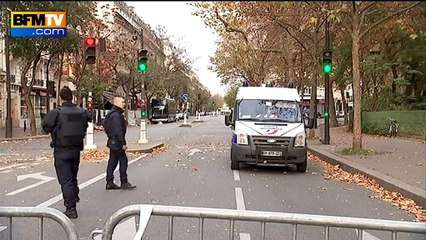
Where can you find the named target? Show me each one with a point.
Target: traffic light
(143, 111)
(142, 60)
(90, 53)
(89, 105)
(326, 114)
(327, 66)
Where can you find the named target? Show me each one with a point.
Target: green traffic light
(143, 114)
(143, 67)
(327, 68)
(326, 114)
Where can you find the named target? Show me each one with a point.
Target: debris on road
(193, 151)
(395, 198)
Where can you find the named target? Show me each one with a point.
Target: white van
(268, 128)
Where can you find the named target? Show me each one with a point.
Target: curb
(145, 149)
(412, 192)
(24, 138)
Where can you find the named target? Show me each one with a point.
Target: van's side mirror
(310, 124)
(228, 119)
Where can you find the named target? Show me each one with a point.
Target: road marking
(245, 236)
(6, 171)
(58, 197)
(240, 206)
(366, 235)
(236, 175)
(124, 230)
(2, 228)
(11, 166)
(39, 176)
(240, 199)
(197, 125)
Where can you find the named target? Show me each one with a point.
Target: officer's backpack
(72, 125)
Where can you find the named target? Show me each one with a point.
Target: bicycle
(393, 127)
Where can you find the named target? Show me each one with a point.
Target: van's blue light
(234, 138)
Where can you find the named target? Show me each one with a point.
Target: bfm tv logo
(38, 24)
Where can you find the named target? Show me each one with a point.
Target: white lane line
(2, 228)
(366, 235)
(11, 166)
(236, 175)
(58, 197)
(198, 124)
(240, 199)
(245, 236)
(6, 171)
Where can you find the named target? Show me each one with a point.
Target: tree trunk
(33, 127)
(357, 134)
(395, 76)
(58, 88)
(345, 107)
(332, 106)
(312, 107)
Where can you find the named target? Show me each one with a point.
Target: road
(194, 171)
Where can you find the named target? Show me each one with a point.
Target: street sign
(185, 97)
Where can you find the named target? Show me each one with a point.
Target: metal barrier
(360, 224)
(39, 212)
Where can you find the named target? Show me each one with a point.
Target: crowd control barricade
(42, 213)
(172, 212)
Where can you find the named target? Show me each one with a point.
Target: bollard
(142, 132)
(89, 137)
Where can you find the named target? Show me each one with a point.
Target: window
(269, 110)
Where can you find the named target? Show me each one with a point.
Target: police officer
(116, 128)
(67, 125)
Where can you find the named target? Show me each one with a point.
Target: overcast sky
(187, 31)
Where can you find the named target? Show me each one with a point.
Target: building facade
(38, 94)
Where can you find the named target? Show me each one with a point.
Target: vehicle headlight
(299, 140)
(242, 138)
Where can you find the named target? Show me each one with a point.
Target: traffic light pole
(326, 139)
(142, 130)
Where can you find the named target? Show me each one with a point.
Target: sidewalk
(19, 134)
(399, 165)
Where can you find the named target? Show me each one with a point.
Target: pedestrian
(115, 127)
(67, 126)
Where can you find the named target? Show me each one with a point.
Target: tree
(31, 50)
(353, 19)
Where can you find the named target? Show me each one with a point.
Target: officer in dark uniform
(116, 128)
(67, 125)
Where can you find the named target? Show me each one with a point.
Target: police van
(268, 128)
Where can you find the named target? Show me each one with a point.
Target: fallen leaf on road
(194, 169)
(166, 165)
(313, 173)
(164, 148)
(349, 189)
(419, 164)
(395, 198)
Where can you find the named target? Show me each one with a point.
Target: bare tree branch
(388, 17)
(229, 28)
(367, 7)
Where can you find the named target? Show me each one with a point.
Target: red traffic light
(90, 41)
(89, 105)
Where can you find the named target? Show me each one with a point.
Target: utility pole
(327, 70)
(9, 96)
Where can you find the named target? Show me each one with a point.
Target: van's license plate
(271, 153)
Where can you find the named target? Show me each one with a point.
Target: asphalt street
(195, 172)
